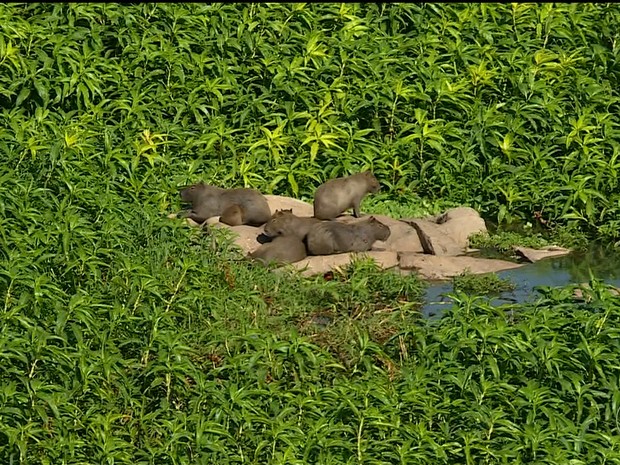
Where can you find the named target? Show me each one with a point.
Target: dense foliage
(511, 108)
(193, 360)
(126, 337)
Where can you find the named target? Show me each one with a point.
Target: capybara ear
(372, 218)
(282, 212)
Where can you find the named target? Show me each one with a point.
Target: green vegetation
(128, 338)
(481, 284)
(504, 242)
(510, 108)
(383, 203)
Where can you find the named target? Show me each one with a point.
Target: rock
(435, 267)
(435, 241)
(403, 238)
(456, 214)
(300, 208)
(246, 235)
(460, 223)
(534, 255)
(449, 233)
(323, 263)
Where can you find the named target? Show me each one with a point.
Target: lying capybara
(338, 195)
(208, 201)
(285, 223)
(332, 237)
(282, 249)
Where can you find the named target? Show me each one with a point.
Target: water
(604, 262)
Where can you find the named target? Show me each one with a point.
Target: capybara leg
(196, 217)
(232, 216)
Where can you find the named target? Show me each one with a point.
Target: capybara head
(189, 193)
(382, 231)
(276, 226)
(278, 213)
(373, 184)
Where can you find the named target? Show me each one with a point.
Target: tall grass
(511, 108)
(126, 337)
(203, 359)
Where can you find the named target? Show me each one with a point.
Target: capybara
(285, 223)
(208, 201)
(282, 249)
(332, 237)
(338, 195)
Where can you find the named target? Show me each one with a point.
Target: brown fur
(279, 213)
(332, 237)
(208, 201)
(338, 195)
(233, 215)
(285, 223)
(282, 249)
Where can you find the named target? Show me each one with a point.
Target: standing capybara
(332, 237)
(285, 223)
(282, 249)
(338, 195)
(208, 201)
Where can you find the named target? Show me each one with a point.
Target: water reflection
(603, 262)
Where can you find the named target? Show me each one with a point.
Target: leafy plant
(506, 241)
(481, 284)
(126, 337)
